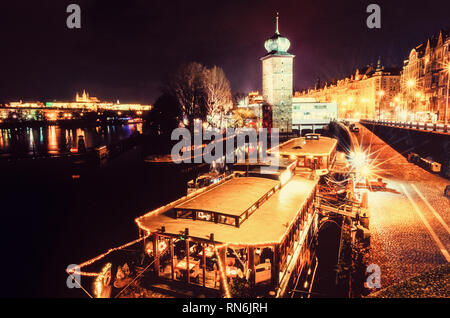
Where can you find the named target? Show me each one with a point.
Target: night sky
(125, 48)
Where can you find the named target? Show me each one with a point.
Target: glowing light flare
(411, 83)
(365, 171)
(99, 257)
(223, 277)
(358, 159)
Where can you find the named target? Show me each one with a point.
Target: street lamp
(446, 102)
(381, 94)
(409, 84)
(398, 105)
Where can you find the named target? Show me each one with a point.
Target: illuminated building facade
(253, 102)
(82, 102)
(277, 107)
(277, 80)
(372, 92)
(307, 113)
(21, 104)
(424, 79)
(85, 98)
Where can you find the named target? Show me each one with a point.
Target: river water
(55, 140)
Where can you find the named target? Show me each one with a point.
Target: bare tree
(219, 100)
(187, 85)
(200, 92)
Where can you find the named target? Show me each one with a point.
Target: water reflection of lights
(139, 127)
(30, 132)
(1, 139)
(53, 140)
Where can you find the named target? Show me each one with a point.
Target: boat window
(205, 216)
(227, 220)
(184, 214)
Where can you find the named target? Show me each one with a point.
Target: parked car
(413, 157)
(430, 165)
(447, 191)
(354, 128)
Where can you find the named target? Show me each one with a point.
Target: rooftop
(300, 146)
(277, 44)
(221, 199)
(267, 224)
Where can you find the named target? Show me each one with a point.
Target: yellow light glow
(365, 171)
(358, 159)
(102, 280)
(99, 257)
(411, 83)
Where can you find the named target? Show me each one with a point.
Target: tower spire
(379, 68)
(276, 29)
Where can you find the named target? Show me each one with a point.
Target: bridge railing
(438, 127)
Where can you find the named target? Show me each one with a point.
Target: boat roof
(303, 147)
(267, 224)
(233, 197)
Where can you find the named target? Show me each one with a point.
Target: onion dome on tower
(277, 44)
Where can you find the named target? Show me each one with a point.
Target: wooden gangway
(346, 208)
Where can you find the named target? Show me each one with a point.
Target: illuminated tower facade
(277, 81)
